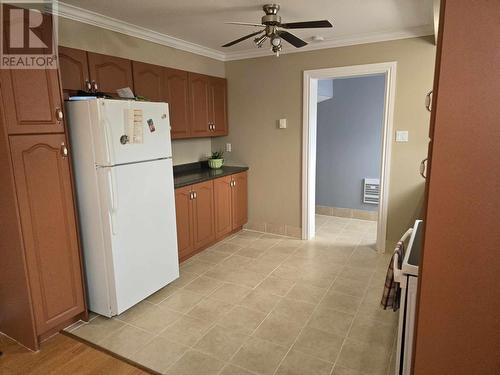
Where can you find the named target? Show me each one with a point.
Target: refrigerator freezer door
(132, 131)
(143, 233)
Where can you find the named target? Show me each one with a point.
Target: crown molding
(337, 42)
(96, 19)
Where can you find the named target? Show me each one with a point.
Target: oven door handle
(398, 272)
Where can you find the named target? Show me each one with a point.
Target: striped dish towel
(392, 292)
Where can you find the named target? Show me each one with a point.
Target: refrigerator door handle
(105, 126)
(113, 199)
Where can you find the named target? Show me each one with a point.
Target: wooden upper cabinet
(223, 206)
(240, 199)
(45, 198)
(176, 85)
(148, 81)
(110, 73)
(203, 214)
(184, 220)
(218, 105)
(74, 69)
(199, 92)
(32, 101)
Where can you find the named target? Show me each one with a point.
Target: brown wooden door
(203, 214)
(177, 97)
(110, 73)
(32, 101)
(74, 69)
(184, 220)
(240, 199)
(199, 89)
(45, 198)
(218, 105)
(223, 206)
(148, 81)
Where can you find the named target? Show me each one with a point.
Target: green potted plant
(216, 160)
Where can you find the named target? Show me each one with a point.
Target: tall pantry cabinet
(458, 316)
(41, 282)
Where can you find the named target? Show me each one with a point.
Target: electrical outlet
(228, 147)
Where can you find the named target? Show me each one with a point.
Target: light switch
(401, 135)
(228, 147)
(282, 123)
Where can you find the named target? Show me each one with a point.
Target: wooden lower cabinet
(223, 206)
(239, 199)
(203, 214)
(45, 198)
(209, 211)
(184, 219)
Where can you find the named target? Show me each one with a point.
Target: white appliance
(122, 160)
(407, 277)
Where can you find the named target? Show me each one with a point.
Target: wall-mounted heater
(371, 190)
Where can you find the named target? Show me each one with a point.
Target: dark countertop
(193, 173)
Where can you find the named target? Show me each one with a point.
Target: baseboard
(273, 228)
(347, 212)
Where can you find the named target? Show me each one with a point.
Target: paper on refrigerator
(135, 126)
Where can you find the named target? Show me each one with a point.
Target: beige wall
(91, 38)
(190, 150)
(262, 90)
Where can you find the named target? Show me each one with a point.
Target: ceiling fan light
(276, 41)
(259, 41)
(277, 50)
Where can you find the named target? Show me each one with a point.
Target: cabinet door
(240, 199)
(148, 81)
(110, 73)
(199, 104)
(184, 219)
(218, 105)
(203, 214)
(177, 97)
(223, 206)
(45, 198)
(31, 100)
(74, 69)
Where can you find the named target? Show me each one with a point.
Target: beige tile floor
(264, 304)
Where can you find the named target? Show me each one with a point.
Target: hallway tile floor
(264, 304)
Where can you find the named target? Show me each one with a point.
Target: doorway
(313, 79)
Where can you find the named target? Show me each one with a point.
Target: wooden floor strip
(61, 355)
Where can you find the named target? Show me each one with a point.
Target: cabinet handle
(191, 195)
(94, 86)
(88, 85)
(213, 126)
(428, 101)
(194, 195)
(59, 114)
(423, 168)
(64, 150)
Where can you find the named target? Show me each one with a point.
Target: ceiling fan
(272, 25)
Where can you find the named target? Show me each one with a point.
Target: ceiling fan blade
(306, 24)
(245, 24)
(242, 38)
(292, 39)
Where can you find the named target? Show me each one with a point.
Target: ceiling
(200, 23)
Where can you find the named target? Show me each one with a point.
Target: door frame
(309, 126)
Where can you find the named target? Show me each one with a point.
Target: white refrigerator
(122, 158)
